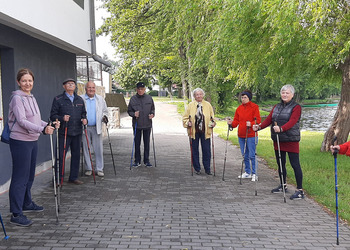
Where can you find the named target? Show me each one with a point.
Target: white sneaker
(100, 173)
(245, 175)
(88, 172)
(254, 177)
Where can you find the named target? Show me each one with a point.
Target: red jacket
(244, 113)
(345, 148)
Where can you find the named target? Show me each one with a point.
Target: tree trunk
(340, 126)
(182, 55)
(190, 87)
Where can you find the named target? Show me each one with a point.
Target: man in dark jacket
(69, 109)
(141, 109)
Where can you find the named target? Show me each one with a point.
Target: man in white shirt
(97, 112)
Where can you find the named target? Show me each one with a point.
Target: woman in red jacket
(343, 149)
(244, 118)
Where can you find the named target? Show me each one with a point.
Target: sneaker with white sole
(254, 177)
(88, 172)
(279, 189)
(245, 175)
(298, 195)
(148, 165)
(100, 173)
(136, 164)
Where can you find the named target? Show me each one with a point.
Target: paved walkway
(167, 208)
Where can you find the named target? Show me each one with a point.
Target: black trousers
(294, 162)
(146, 140)
(74, 143)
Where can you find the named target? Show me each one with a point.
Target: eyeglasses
(70, 83)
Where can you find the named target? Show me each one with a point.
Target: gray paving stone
(165, 207)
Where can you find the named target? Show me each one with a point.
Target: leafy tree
(224, 46)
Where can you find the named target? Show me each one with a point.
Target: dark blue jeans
(146, 139)
(249, 153)
(206, 153)
(23, 171)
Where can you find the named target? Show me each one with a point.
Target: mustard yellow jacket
(191, 110)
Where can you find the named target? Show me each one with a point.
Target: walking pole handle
(335, 150)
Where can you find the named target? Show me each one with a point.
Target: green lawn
(318, 167)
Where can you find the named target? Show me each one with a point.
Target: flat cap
(68, 80)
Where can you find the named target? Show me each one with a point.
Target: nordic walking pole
(212, 143)
(335, 152)
(245, 146)
(110, 147)
(58, 170)
(256, 160)
(87, 142)
(281, 170)
(154, 150)
(3, 228)
(64, 151)
(228, 133)
(82, 160)
(189, 119)
(53, 175)
(133, 144)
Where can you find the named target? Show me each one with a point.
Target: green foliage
(225, 46)
(153, 93)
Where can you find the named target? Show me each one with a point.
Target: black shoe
(298, 195)
(21, 221)
(136, 164)
(148, 165)
(279, 189)
(197, 172)
(208, 173)
(32, 208)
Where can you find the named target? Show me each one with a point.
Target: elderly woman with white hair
(284, 120)
(199, 121)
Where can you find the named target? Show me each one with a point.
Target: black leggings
(294, 161)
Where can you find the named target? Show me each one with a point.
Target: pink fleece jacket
(25, 110)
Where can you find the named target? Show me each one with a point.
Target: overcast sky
(103, 44)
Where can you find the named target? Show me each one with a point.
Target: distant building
(46, 36)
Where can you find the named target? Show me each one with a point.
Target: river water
(317, 119)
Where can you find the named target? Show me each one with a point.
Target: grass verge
(318, 168)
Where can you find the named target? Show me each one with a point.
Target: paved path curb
(167, 208)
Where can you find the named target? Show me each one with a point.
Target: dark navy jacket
(61, 106)
(145, 105)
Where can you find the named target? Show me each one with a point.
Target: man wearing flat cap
(69, 109)
(141, 109)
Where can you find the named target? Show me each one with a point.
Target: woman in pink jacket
(26, 125)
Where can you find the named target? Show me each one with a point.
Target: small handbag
(5, 135)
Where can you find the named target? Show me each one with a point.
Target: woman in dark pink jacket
(26, 125)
